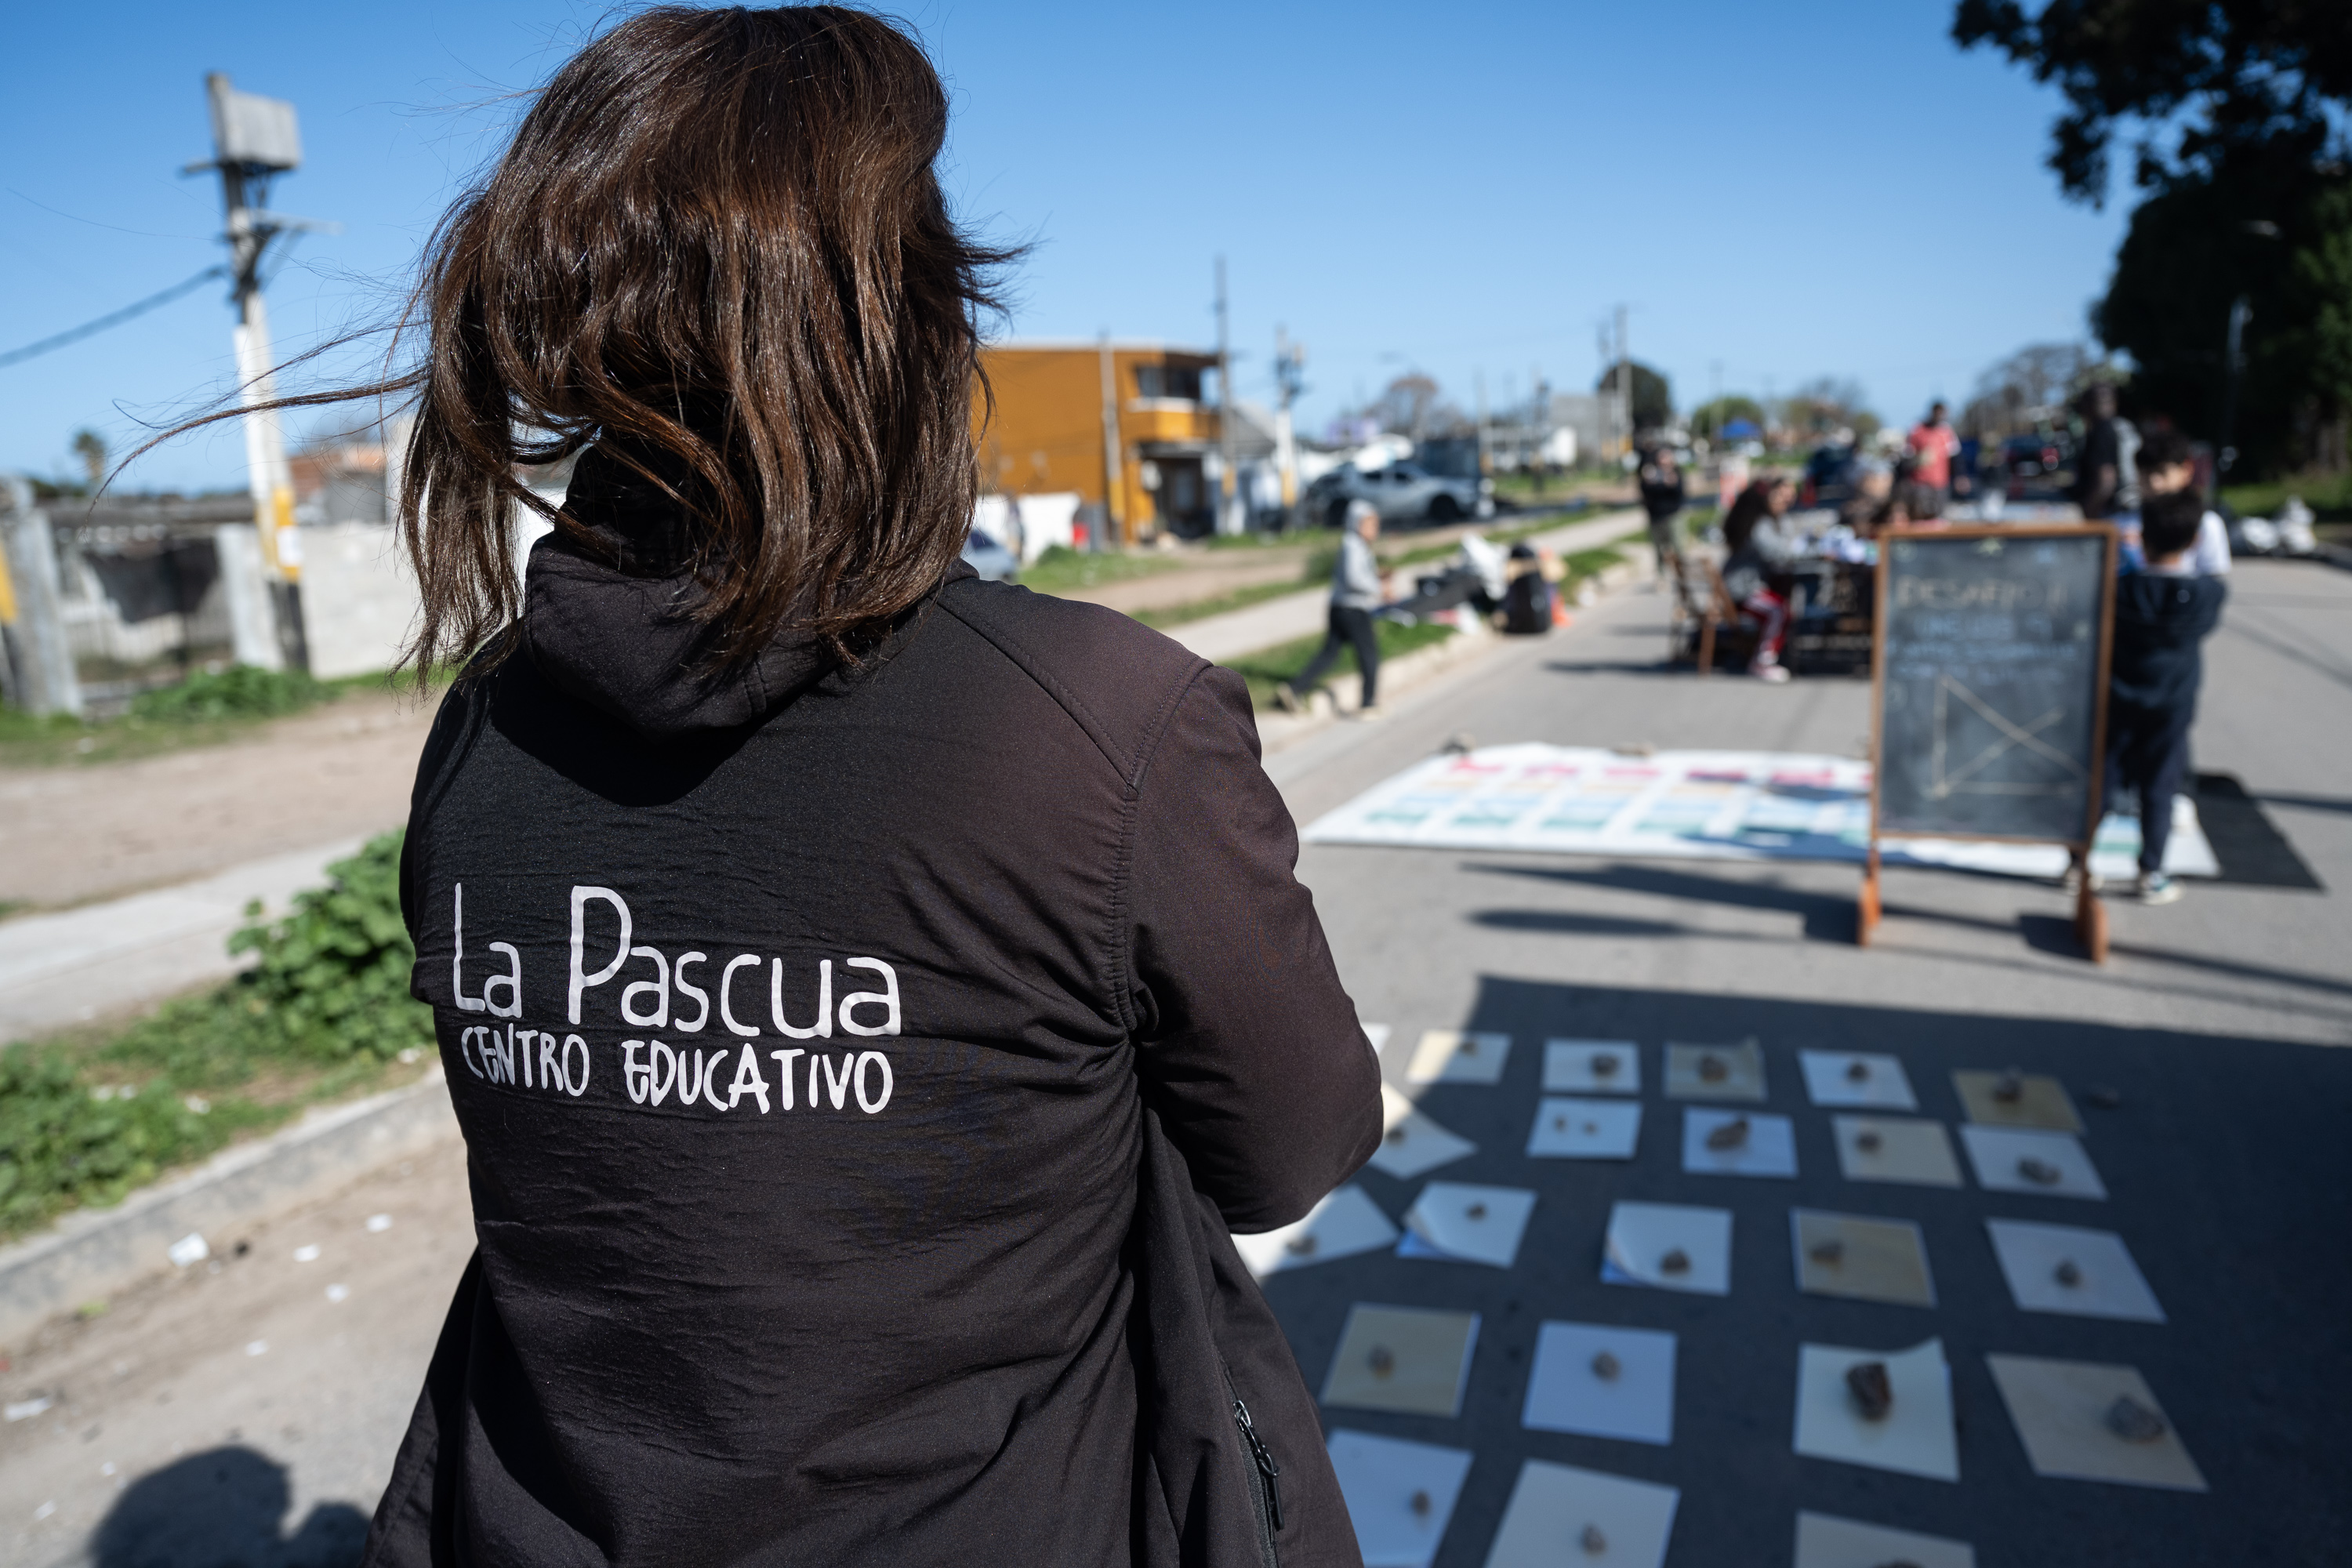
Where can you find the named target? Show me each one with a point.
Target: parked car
(990, 560)
(2032, 457)
(1401, 492)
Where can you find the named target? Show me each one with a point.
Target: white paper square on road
(2017, 1099)
(1914, 1436)
(1560, 1515)
(1673, 1246)
(1585, 1130)
(1411, 1143)
(1911, 1151)
(1751, 1143)
(1462, 1223)
(2066, 1416)
(1825, 1541)
(1715, 1072)
(2019, 1160)
(1861, 1258)
(1450, 1055)
(1344, 1224)
(1411, 1359)
(1603, 1382)
(1399, 1495)
(2065, 1269)
(1863, 1080)
(1592, 1066)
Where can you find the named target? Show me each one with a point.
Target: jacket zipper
(1265, 1476)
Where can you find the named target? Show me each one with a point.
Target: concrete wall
(359, 599)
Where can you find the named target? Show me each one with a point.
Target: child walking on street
(2162, 614)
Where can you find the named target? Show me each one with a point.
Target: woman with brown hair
(869, 994)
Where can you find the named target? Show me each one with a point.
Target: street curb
(93, 1253)
(1276, 730)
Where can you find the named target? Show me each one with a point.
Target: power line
(90, 329)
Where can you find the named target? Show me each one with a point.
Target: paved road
(2220, 1020)
(2226, 1159)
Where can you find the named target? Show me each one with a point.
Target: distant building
(1143, 460)
(339, 482)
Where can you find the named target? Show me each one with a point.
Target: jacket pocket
(1265, 1476)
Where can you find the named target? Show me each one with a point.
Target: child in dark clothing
(2162, 614)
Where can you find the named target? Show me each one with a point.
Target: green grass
(209, 708)
(2329, 496)
(324, 1012)
(1061, 569)
(1267, 667)
(1238, 599)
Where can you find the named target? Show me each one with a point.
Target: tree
(90, 448)
(2030, 387)
(1412, 405)
(1654, 397)
(2238, 110)
(2192, 252)
(1824, 406)
(1709, 419)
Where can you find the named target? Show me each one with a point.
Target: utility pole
(1625, 387)
(1229, 511)
(1290, 377)
(1478, 380)
(1114, 529)
(255, 140)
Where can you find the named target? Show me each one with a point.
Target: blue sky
(1781, 192)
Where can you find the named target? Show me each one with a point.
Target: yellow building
(1070, 416)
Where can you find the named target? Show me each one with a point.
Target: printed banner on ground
(1722, 805)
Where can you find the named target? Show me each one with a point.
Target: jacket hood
(609, 618)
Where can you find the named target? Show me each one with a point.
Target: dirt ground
(175, 1415)
(69, 835)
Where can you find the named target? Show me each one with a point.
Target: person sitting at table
(1754, 534)
(1873, 484)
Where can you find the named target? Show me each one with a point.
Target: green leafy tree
(1653, 397)
(1709, 418)
(2235, 114)
(90, 448)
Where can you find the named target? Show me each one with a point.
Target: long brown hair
(717, 250)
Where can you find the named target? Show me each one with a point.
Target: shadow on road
(1827, 917)
(2225, 1167)
(223, 1509)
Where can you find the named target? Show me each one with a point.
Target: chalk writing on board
(1990, 683)
(1948, 781)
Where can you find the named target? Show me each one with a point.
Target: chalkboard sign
(1991, 680)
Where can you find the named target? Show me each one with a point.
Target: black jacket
(1662, 497)
(2157, 664)
(813, 1033)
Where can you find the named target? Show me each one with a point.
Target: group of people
(2174, 554)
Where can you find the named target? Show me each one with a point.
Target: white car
(990, 560)
(1401, 492)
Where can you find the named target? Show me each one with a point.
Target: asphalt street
(2218, 1025)
(2216, 1022)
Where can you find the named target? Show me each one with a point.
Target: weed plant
(323, 1009)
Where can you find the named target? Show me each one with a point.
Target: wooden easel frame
(2090, 915)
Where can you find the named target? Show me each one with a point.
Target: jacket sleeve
(1247, 1045)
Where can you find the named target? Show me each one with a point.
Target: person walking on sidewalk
(1662, 498)
(912, 1247)
(1355, 594)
